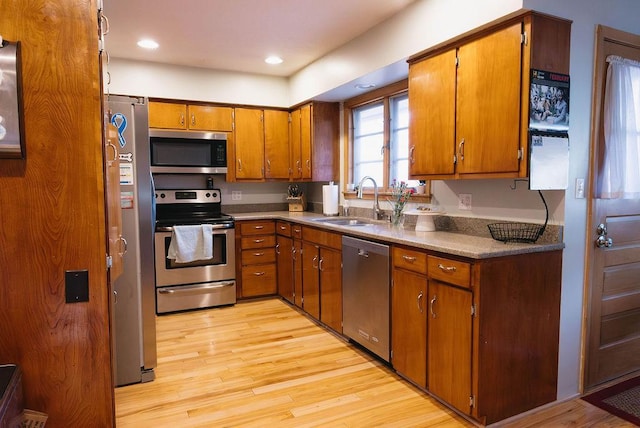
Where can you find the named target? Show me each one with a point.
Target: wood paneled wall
(52, 217)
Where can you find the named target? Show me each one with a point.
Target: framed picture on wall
(11, 118)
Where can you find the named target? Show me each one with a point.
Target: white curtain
(620, 174)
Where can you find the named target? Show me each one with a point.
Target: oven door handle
(213, 226)
(198, 288)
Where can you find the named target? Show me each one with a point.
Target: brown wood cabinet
(166, 115)
(449, 335)
(284, 261)
(276, 144)
(469, 97)
(249, 144)
(493, 326)
(322, 276)
(315, 138)
(256, 253)
(409, 314)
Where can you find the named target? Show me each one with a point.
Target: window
(378, 143)
(620, 174)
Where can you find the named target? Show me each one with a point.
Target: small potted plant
(400, 195)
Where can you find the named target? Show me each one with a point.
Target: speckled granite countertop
(474, 247)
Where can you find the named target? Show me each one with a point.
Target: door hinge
(523, 38)
(392, 354)
(109, 261)
(472, 401)
(473, 310)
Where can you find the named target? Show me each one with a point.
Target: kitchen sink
(345, 221)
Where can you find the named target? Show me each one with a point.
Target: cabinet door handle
(258, 273)
(282, 228)
(193, 120)
(293, 253)
(448, 269)
(268, 165)
(277, 249)
(313, 262)
(181, 119)
(420, 301)
(320, 265)
(461, 149)
(262, 254)
(239, 164)
(115, 152)
(308, 165)
(431, 306)
(260, 227)
(409, 259)
(412, 159)
(258, 241)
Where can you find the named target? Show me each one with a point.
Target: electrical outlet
(579, 188)
(464, 201)
(236, 195)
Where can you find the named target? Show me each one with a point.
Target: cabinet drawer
(259, 280)
(258, 256)
(258, 241)
(257, 227)
(283, 228)
(320, 237)
(450, 271)
(415, 261)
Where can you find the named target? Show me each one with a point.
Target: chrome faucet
(377, 212)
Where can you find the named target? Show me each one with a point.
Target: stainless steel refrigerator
(133, 308)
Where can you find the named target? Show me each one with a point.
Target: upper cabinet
(276, 144)
(190, 117)
(249, 144)
(315, 142)
(469, 97)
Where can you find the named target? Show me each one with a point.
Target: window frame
(384, 95)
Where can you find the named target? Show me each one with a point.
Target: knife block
(297, 203)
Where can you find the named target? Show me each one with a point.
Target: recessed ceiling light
(365, 86)
(148, 44)
(273, 60)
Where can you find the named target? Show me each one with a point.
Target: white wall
(151, 79)
(586, 14)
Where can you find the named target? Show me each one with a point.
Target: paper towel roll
(330, 199)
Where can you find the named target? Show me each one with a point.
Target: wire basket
(519, 232)
(516, 232)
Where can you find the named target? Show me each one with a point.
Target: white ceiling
(237, 35)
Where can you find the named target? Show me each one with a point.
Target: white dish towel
(191, 243)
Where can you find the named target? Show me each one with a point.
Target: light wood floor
(264, 364)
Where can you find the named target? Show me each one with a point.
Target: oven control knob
(214, 194)
(162, 195)
(207, 194)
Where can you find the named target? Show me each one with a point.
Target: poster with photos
(11, 133)
(549, 101)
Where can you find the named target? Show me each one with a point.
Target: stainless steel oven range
(201, 283)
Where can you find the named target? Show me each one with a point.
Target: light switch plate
(579, 188)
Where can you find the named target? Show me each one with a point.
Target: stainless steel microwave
(188, 152)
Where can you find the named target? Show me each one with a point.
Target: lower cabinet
(322, 276)
(409, 314)
(284, 261)
(257, 255)
(449, 344)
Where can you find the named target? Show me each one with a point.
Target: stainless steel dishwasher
(365, 294)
